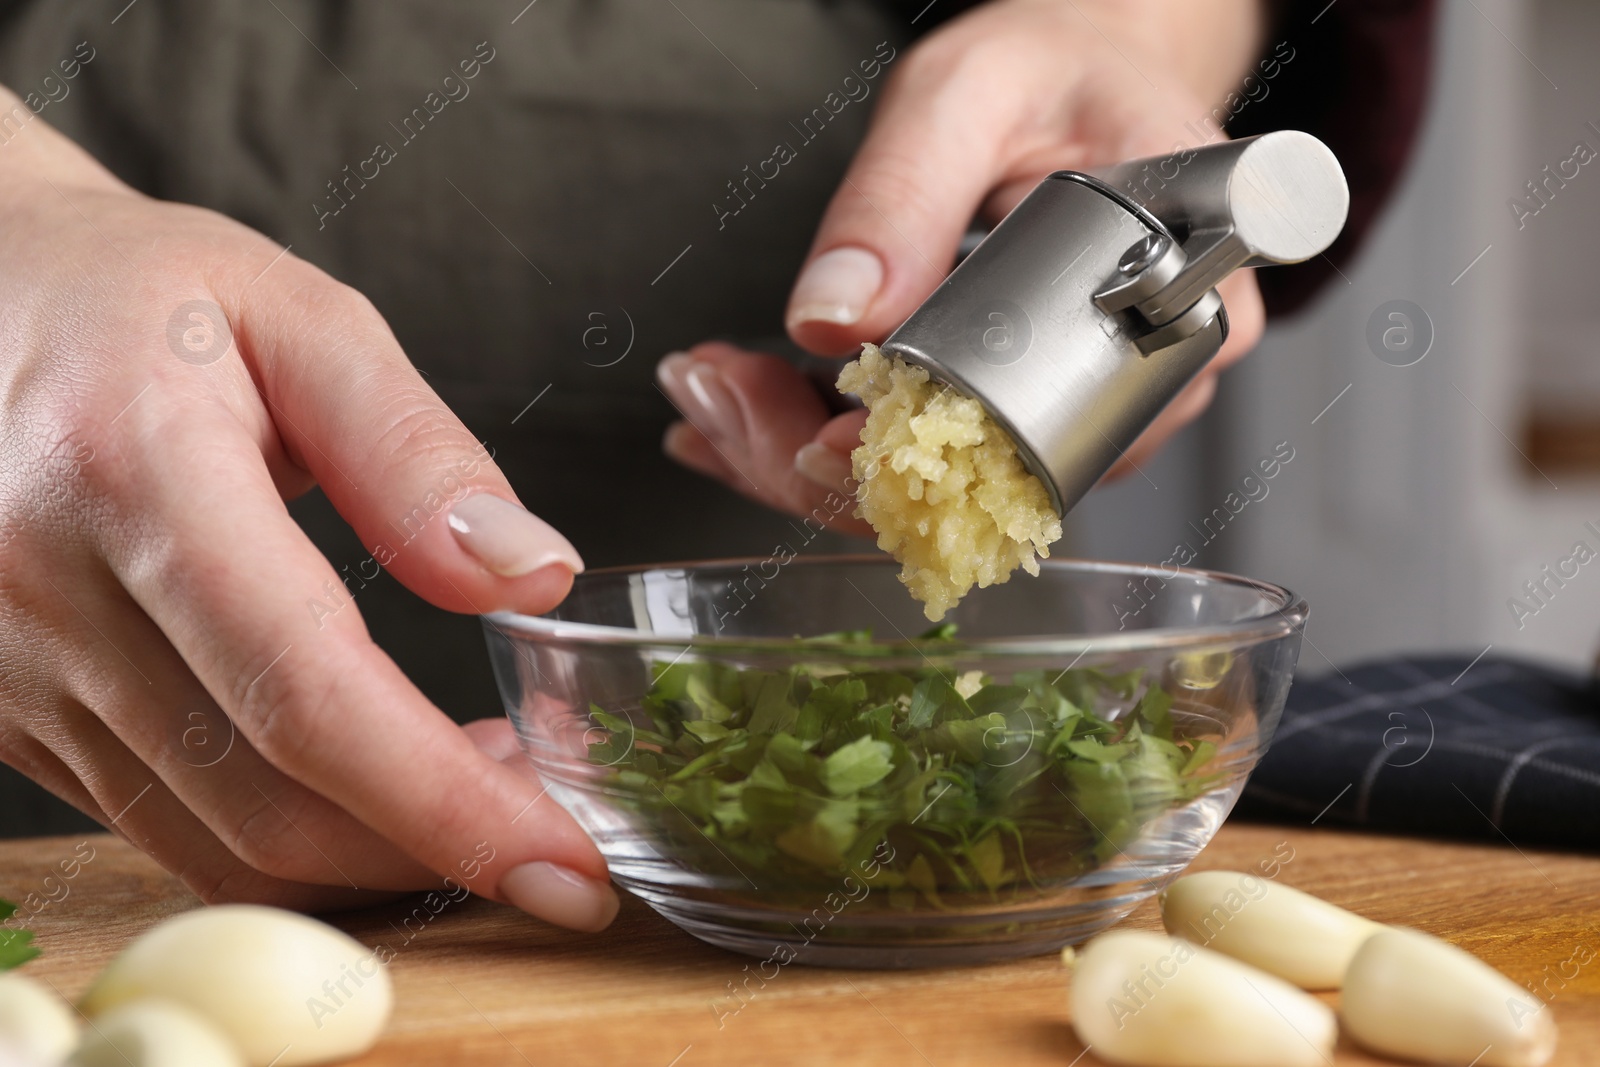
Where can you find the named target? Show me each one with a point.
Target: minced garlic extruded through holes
(942, 484)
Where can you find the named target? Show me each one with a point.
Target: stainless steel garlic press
(1091, 305)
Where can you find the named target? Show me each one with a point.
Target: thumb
(425, 497)
(891, 231)
(961, 127)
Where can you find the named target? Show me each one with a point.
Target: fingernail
(699, 390)
(672, 442)
(822, 465)
(509, 539)
(672, 371)
(561, 896)
(836, 287)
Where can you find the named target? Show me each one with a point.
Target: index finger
(264, 622)
(319, 700)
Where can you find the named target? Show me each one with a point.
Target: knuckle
(269, 839)
(350, 302)
(418, 424)
(52, 480)
(322, 295)
(237, 885)
(950, 63)
(935, 58)
(899, 179)
(340, 317)
(232, 883)
(416, 427)
(281, 719)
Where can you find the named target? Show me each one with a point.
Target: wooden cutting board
(482, 984)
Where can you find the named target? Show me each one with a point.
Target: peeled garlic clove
(1283, 931)
(155, 1033)
(270, 979)
(34, 1022)
(1142, 998)
(1412, 995)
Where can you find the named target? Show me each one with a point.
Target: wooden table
(482, 984)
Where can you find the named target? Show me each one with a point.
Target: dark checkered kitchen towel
(1496, 749)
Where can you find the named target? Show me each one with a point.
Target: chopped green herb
(16, 946)
(974, 786)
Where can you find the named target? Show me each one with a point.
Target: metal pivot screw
(1149, 265)
(1146, 271)
(1142, 254)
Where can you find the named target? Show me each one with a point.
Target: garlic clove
(287, 989)
(1412, 995)
(1147, 999)
(1294, 935)
(35, 1024)
(155, 1033)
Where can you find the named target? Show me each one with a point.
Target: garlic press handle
(1275, 198)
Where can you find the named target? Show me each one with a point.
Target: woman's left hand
(971, 119)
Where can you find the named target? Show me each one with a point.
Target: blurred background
(1422, 499)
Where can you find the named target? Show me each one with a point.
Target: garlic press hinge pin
(1152, 271)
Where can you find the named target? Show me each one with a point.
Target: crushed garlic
(942, 485)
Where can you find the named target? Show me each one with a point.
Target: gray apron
(541, 200)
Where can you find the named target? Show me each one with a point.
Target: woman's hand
(971, 120)
(176, 658)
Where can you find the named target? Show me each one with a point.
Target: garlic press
(1078, 318)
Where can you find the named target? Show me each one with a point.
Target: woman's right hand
(176, 658)
(969, 120)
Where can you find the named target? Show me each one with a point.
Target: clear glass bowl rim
(1287, 617)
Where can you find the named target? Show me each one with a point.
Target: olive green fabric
(540, 233)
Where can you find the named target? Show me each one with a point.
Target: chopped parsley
(795, 776)
(16, 946)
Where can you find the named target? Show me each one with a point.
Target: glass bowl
(780, 757)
